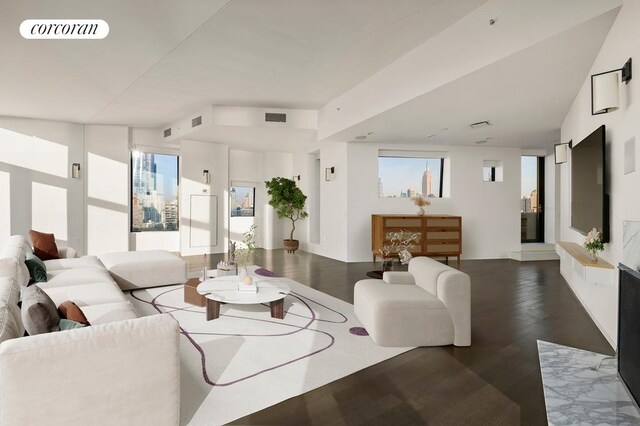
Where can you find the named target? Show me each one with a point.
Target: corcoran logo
(64, 29)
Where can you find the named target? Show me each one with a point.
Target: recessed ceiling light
(480, 142)
(370, 133)
(361, 137)
(432, 135)
(480, 124)
(444, 129)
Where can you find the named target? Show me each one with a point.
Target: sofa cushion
(71, 311)
(37, 270)
(8, 326)
(86, 294)
(9, 267)
(44, 245)
(73, 263)
(146, 268)
(9, 291)
(14, 248)
(109, 312)
(39, 312)
(66, 324)
(69, 277)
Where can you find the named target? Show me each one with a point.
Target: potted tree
(288, 201)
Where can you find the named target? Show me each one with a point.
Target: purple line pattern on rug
(297, 329)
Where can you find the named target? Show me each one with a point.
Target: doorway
(532, 201)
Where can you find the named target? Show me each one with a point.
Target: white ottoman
(143, 269)
(401, 315)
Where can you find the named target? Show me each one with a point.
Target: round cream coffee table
(225, 290)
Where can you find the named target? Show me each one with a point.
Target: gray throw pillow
(39, 313)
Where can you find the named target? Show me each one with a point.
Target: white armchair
(430, 305)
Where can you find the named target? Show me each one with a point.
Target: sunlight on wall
(107, 179)
(49, 210)
(33, 153)
(5, 206)
(100, 222)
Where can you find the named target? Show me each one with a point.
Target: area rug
(245, 360)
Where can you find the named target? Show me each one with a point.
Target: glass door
(532, 201)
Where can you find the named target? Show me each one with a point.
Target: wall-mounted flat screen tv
(589, 200)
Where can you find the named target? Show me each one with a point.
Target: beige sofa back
(121, 373)
(452, 287)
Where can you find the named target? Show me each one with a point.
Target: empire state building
(427, 183)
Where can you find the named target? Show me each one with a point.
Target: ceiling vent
(167, 132)
(480, 124)
(275, 117)
(196, 121)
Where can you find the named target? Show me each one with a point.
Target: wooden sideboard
(440, 235)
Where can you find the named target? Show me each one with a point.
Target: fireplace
(629, 329)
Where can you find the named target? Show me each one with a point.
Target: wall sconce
(75, 170)
(206, 176)
(561, 151)
(296, 178)
(605, 89)
(328, 173)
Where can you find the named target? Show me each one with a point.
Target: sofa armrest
(398, 277)
(454, 289)
(67, 252)
(125, 372)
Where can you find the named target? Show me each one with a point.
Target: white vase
(420, 211)
(243, 275)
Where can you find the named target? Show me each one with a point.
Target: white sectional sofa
(121, 370)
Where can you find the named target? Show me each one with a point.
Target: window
(405, 175)
(242, 201)
(154, 192)
(492, 171)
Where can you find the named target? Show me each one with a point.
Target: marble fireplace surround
(575, 394)
(631, 244)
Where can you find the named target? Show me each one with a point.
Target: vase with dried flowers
(421, 202)
(244, 254)
(399, 243)
(593, 243)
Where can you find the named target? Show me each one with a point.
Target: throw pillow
(71, 311)
(66, 324)
(44, 245)
(39, 313)
(37, 270)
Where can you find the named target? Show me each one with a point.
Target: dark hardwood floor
(495, 381)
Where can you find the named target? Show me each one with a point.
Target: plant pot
(291, 245)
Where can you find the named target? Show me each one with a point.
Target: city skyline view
(242, 201)
(154, 181)
(529, 184)
(402, 177)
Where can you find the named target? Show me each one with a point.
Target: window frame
(231, 189)
(149, 150)
(424, 155)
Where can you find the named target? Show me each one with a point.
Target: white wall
(620, 44)
(36, 188)
(490, 210)
(196, 157)
(551, 199)
(106, 188)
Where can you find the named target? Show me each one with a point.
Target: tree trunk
(293, 228)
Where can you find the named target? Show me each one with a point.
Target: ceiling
(164, 59)
(524, 96)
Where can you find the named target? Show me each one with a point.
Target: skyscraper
(427, 182)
